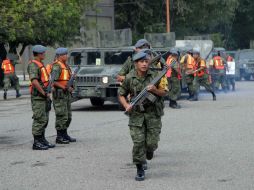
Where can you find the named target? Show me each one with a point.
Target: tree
(243, 27)
(188, 17)
(40, 21)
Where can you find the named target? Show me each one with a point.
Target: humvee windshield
(93, 58)
(116, 58)
(75, 58)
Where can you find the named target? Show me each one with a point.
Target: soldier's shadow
(106, 107)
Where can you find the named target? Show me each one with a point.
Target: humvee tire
(97, 101)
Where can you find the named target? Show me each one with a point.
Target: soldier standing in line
(202, 76)
(8, 66)
(39, 98)
(62, 96)
(145, 125)
(174, 77)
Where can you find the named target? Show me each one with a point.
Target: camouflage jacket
(133, 85)
(127, 67)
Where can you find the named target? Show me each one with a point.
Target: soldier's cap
(61, 51)
(39, 49)
(195, 51)
(141, 42)
(173, 52)
(140, 56)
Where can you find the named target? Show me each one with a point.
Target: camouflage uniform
(145, 126)
(11, 78)
(61, 102)
(174, 82)
(218, 76)
(188, 65)
(127, 67)
(202, 77)
(39, 103)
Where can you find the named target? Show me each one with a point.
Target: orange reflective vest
(190, 62)
(218, 63)
(169, 61)
(65, 73)
(44, 78)
(7, 67)
(201, 63)
(49, 68)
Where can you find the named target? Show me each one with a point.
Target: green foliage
(230, 22)
(141, 16)
(41, 21)
(243, 27)
(217, 39)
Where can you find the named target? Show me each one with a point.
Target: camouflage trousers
(145, 137)
(174, 88)
(204, 81)
(219, 79)
(191, 82)
(62, 106)
(40, 115)
(11, 78)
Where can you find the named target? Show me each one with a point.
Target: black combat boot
(233, 87)
(68, 137)
(5, 95)
(140, 173)
(149, 155)
(38, 144)
(17, 94)
(173, 104)
(194, 97)
(45, 142)
(190, 96)
(60, 138)
(214, 96)
(144, 165)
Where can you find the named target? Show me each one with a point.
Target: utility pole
(168, 15)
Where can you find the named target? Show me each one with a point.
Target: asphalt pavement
(205, 145)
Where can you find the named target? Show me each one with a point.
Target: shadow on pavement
(107, 107)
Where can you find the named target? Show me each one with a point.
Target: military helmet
(61, 51)
(142, 42)
(196, 51)
(39, 49)
(174, 52)
(140, 56)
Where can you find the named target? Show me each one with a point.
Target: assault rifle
(192, 72)
(157, 59)
(48, 90)
(52, 79)
(73, 76)
(144, 94)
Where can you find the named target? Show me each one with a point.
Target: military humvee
(96, 79)
(244, 64)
